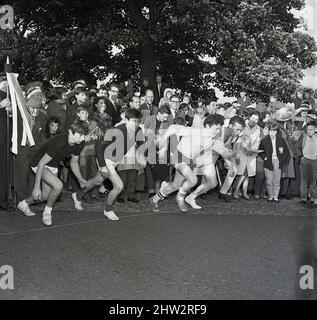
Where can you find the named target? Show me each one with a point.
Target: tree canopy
(254, 44)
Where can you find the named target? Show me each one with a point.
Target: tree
(254, 43)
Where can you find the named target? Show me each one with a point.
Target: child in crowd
(275, 156)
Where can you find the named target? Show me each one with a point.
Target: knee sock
(158, 196)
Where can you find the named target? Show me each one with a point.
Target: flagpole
(7, 68)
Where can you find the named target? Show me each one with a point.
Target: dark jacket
(114, 111)
(266, 145)
(158, 95)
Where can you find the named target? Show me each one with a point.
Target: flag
(18, 104)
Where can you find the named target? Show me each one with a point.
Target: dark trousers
(308, 173)
(150, 183)
(24, 178)
(259, 180)
(128, 178)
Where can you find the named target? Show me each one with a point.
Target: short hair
(201, 111)
(272, 126)
(124, 109)
(97, 99)
(164, 109)
(175, 96)
(79, 126)
(83, 107)
(237, 119)
(254, 112)
(133, 114)
(103, 87)
(80, 90)
(114, 85)
(59, 91)
(131, 99)
(214, 119)
(183, 106)
(312, 123)
(147, 90)
(53, 120)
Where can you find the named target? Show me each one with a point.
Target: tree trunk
(148, 61)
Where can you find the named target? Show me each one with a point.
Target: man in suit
(148, 108)
(158, 89)
(244, 100)
(112, 103)
(175, 101)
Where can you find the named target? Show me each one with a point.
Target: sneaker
(111, 215)
(257, 197)
(102, 190)
(190, 199)
(47, 218)
(154, 205)
(78, 206)
(181, 204)
(24, 207)
(276, 200)
(270, 199)
(303, 202)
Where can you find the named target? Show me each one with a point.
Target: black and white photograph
(158, 150)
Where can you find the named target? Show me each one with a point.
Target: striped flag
(18, 104)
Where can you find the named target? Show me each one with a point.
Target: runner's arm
(74, 164)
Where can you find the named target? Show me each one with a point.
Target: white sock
(74, 197)
(47, 209)
(24, 203)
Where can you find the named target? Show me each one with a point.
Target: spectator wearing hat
(75, 85)
(24, 179)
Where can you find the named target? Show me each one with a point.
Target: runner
(192, 144)
(119, 143)
(45, 165)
